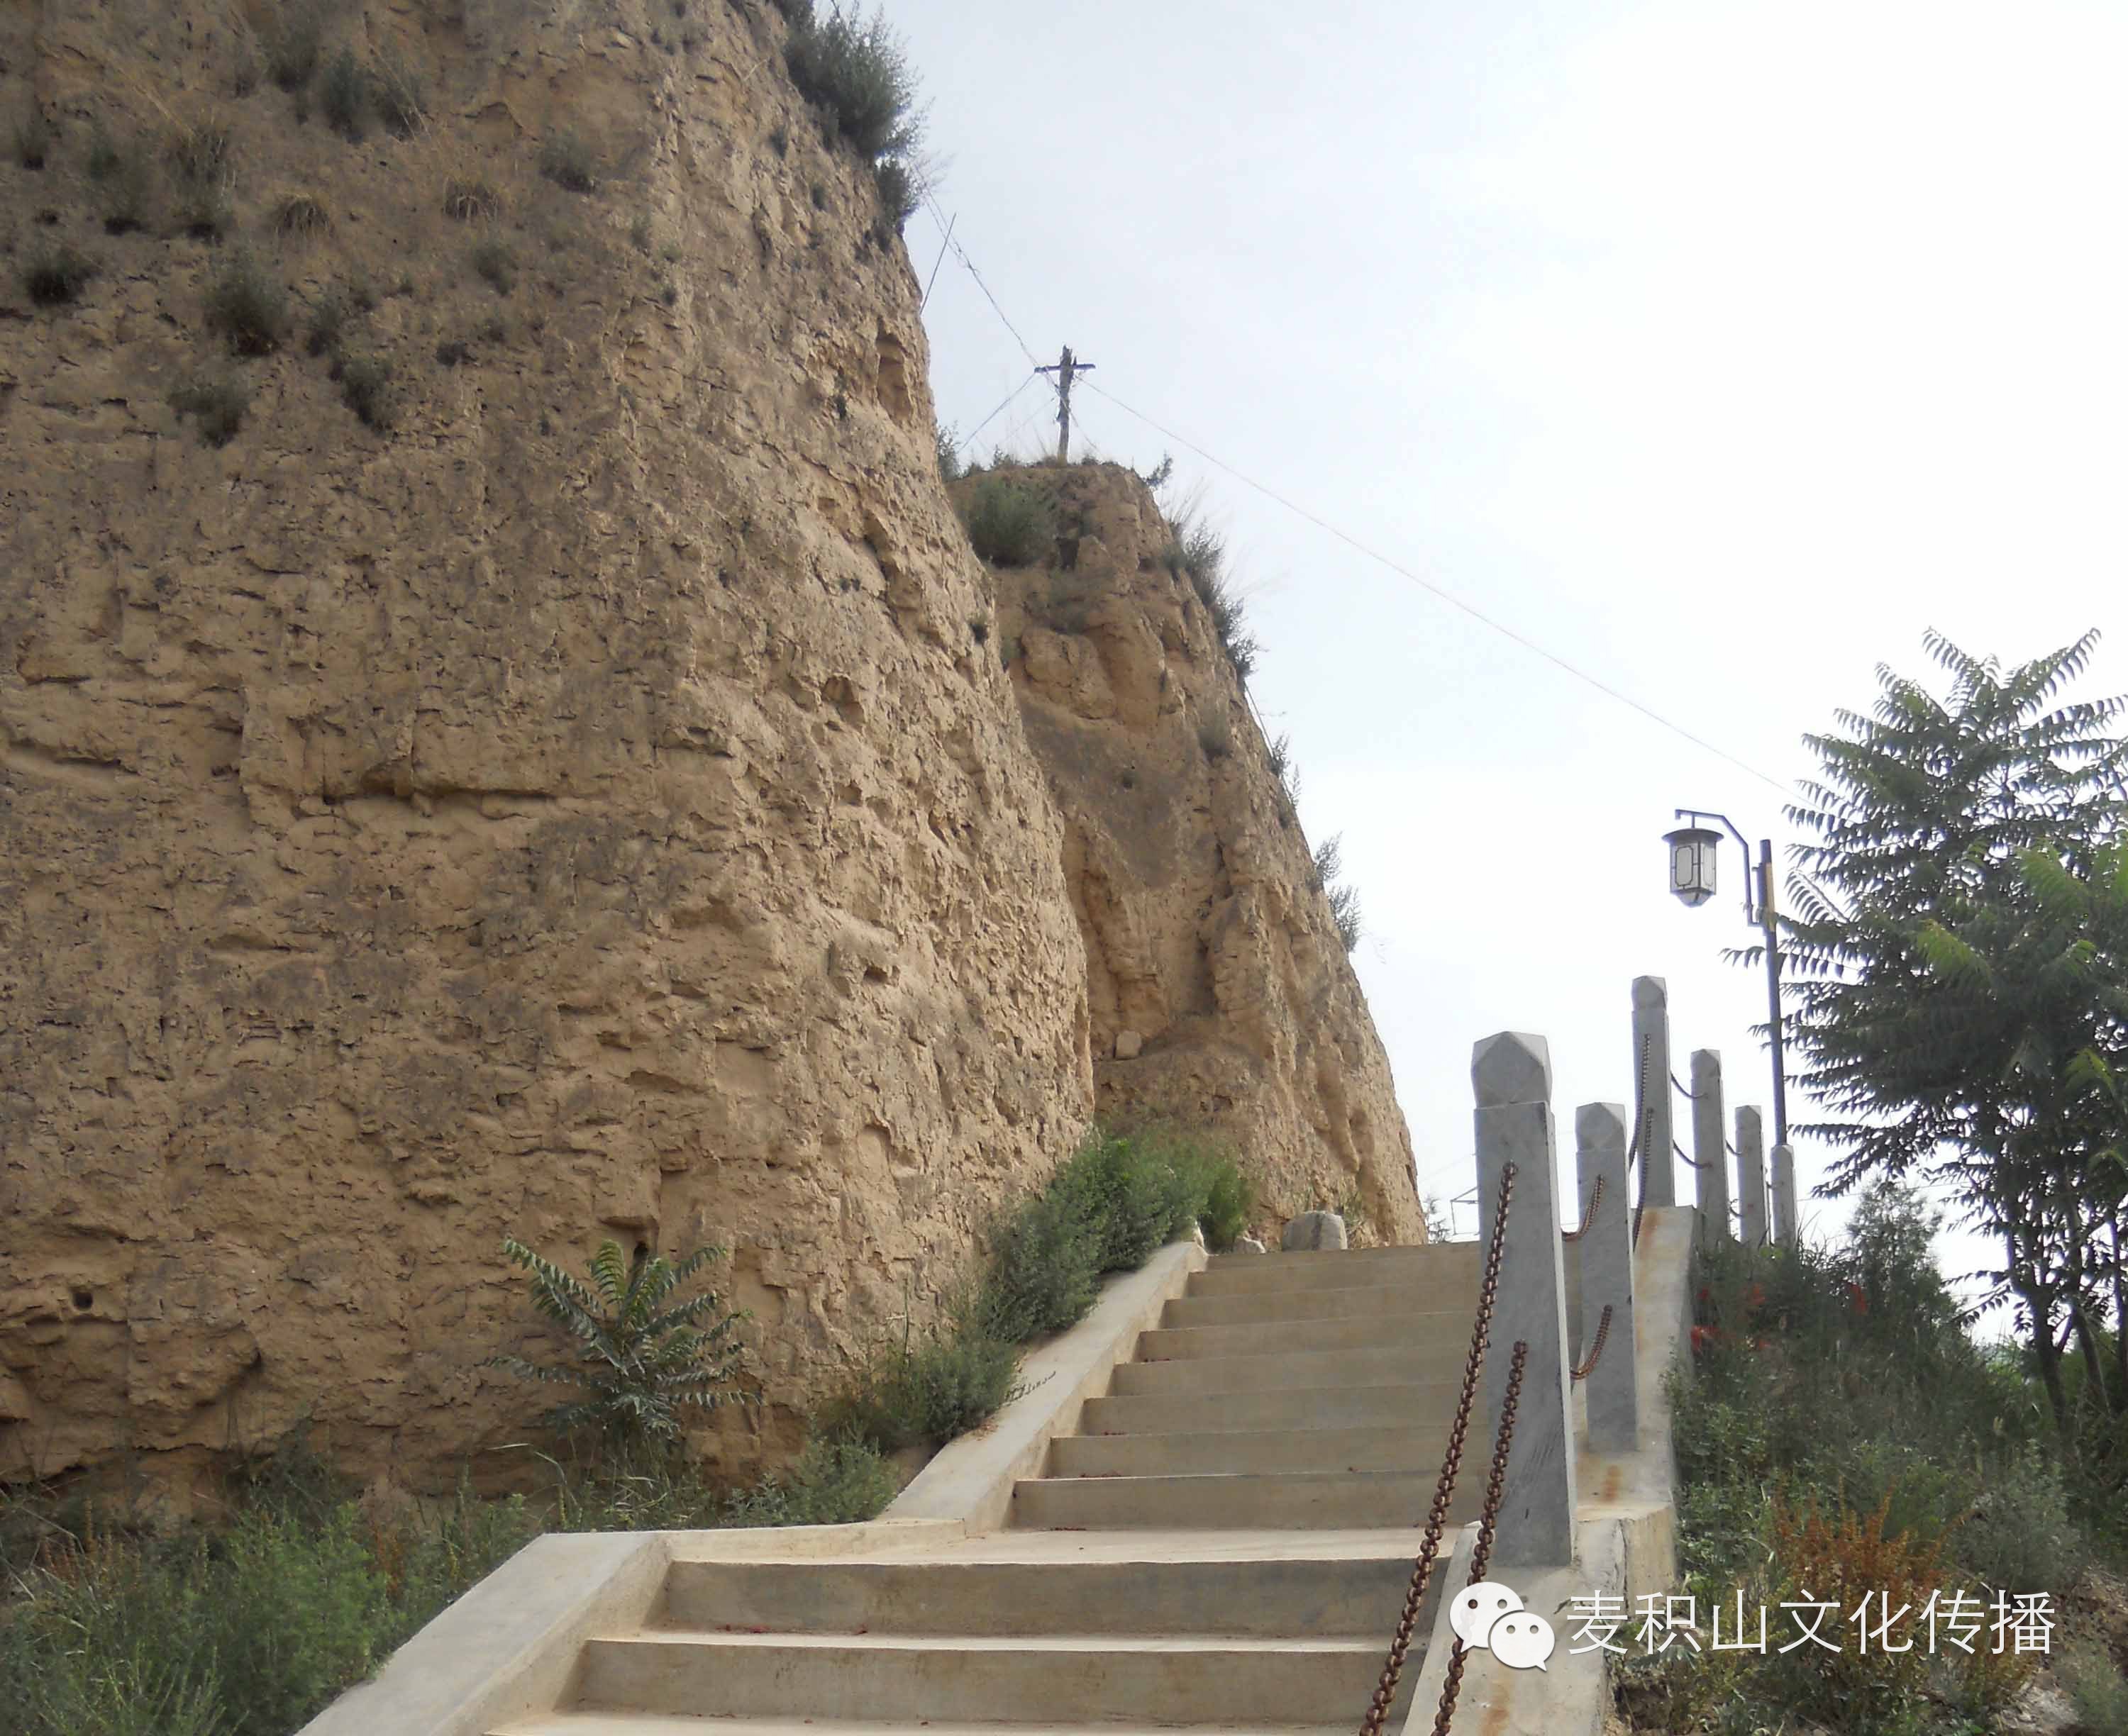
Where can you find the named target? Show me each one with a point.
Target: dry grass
(300, 214)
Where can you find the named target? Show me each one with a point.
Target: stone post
(1606, 1276)
(1512, 1075)
(1650, 1077)
(1784, 1196)
(1709, 1148)
(1750, 1177)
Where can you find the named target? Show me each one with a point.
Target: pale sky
(1718, 348)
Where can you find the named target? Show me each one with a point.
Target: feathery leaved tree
(1948, 991)
(638, 1363)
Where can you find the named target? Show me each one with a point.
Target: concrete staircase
(1224, 1546)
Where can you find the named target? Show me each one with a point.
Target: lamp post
(1692, 879)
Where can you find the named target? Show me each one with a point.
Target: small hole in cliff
(643, 1250)
(84, 1300)
(1130, 781)
(873, 973)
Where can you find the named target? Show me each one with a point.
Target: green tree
(639, 1363)
(1942, 985)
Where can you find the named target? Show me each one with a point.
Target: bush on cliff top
(856, 75)
(1009, 522)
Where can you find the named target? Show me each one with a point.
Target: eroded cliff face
(594, 803)
(1220, 990)
(582, 809)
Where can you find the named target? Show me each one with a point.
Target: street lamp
(1692, 850)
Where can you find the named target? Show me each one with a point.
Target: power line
(1398, 567)
(1447, 597)
(993, 414)
(961, 254)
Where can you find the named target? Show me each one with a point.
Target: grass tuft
(218, 401)
(365, 384)
(301, 214)
(248, 305)
(567, 161)
(292, 42)
(121, 176)
(55, 273)
(470, 201)
(343, 95)
(401, 99)
(496, 265)
(201, 151)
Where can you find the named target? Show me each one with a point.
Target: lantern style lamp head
(1692, 862)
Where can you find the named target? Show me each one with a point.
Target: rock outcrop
(1221, 991)
(589, 802)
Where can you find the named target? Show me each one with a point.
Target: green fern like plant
(639, 1362)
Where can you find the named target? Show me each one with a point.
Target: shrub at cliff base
(1109, 1205)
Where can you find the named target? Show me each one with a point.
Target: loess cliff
(550, 771)
(1220, 990)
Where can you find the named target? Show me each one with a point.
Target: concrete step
(1231, 1452)
(1410, 1405)
(679, 1723)
(1333, 1597)
(1398, 1301)
(1074, 1679)
(1239, 1274)
(1434, 1334)
(1439, 1362)
(1282, 1500)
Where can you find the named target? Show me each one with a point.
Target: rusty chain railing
(1452, 1464)
(1587, 1366)
(1588, 1218)
(1482, 1555)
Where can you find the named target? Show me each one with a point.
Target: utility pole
(1065, 368)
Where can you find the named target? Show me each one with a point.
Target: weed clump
(301, 214)
(292, 43)
(1107, 1208)
(1009, 523)
(395, 88)
(567, 161)
(200, 151)
(1200, 554)
(470, 201)
(56, 272)
(343, 95)
(120, 174)
(837, 1480)
(219, 401)
(249, 306)
(365, 385)
(496, 265)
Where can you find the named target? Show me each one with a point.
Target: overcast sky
(1719, 348)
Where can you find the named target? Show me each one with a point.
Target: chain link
(1452, 1464)
(1595, 1350)
(1588, 1218)
(1481, 1557)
